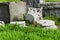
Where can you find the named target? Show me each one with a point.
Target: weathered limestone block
(17, 10)
(47, 24)
(21, 23)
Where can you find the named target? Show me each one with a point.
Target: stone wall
(17, 10)
(52, 12)
(51, 9)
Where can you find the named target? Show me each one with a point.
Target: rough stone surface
(17, 10)
(29, 17)
(47, 24)
(21, 23)
(51, 9)
(2, 23)
(52, 12)
(34, 14)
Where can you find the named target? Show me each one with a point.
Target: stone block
(17, 10)
(47, 24)
(21, 23)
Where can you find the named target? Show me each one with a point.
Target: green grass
(15, 32)
(9, 0)
(52, 0)
(19, 0)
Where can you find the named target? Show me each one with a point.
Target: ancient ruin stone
(21, 23)
(17, 10)
(33, 15)
(47, 24)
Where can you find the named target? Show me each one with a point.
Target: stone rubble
(21, 23)
(34, 16)
(2, 23)
(47, 24)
